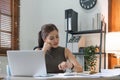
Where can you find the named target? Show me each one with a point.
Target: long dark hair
(45, 30)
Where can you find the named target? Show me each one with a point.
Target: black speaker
(71, 17)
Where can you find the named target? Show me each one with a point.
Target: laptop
(26, 63)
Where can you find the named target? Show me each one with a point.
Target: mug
(8, 70)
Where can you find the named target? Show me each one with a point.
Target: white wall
(45, 11)
(29, 23)
(35, 13)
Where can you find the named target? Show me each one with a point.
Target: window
(9, 25)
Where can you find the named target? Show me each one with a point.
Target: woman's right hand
(46, 47)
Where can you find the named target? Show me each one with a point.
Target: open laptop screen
(26, 63)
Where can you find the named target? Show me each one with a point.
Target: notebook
(26, 63)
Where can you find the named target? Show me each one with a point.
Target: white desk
(68, 78)
(104, 75)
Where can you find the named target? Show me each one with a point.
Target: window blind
(5, 23)
(9, 25)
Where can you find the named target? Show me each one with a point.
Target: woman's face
(53, 39)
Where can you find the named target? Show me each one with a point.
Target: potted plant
(90, 58)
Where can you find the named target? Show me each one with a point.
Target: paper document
(107, 73)
(104, 73)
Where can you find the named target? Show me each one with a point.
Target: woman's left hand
(64, 65)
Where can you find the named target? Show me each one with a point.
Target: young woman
(58, 59)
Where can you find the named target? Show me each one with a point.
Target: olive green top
(53, 58)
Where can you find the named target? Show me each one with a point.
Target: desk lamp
(113, 45)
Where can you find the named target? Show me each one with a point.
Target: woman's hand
(46, 47)
(64, 65)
